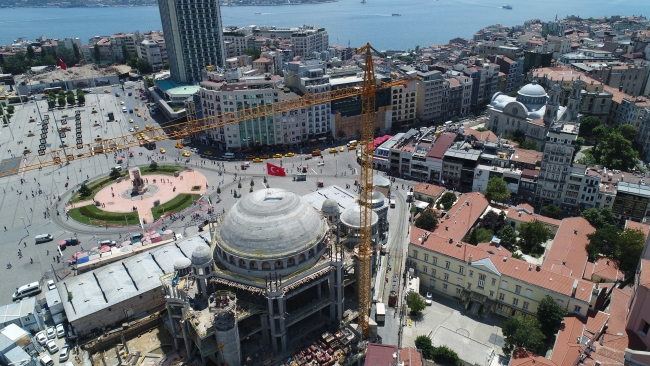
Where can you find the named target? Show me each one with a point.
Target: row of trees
(64, 98)
(22, 61)
(614, 146)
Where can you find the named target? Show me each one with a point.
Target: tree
(528, 145)
(423, 343)
(149, 82)
(114, 174)
(533, 233)
(551, 211)
(523, 332)
(97, 54)
(628, 131)
(603, 242)
(588, 124)
(30, 52)
(580, 142)
(415, 303)
(447, 200)
(628, 250)
(445, 356)
(81, 96)
(479, 235)
(70, 99)
(125, 53)
(255, 54)
(614, 151)
(154, 166)
(61, 101)
(508, 238)
(497, 190)
(166, 66)
(493, 221)
(84, 191)
(76, 52)
(599, 218)
(143, 66)
(428, 220)
(550, 316)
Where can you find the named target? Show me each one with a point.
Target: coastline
(154, 5)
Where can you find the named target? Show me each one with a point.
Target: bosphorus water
(422, 22)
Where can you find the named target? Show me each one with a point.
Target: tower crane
(367, 92)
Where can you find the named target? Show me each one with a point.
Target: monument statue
(139, 186)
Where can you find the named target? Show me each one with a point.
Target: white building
(154, 50)
(307, 40)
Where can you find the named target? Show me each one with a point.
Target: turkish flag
(61, 63)
(275, 170)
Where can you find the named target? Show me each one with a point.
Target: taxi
(289, 155)
(333, 150)
(136, 108)
(106, 91)
(341, 148)
(186, 153)
(140, 138)
(137, 88)
(250, 157)
(208, 153)
(130, 120)
(162, 151)
(121, 102)
(179, 145)
(136, 127)
(352, 147)
(257, 160)
(139, 115)
(147, 127)
(277, 156)
(264, 156)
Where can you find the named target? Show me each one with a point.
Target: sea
(348, 22)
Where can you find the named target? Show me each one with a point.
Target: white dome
(532, 90)
(352, 217)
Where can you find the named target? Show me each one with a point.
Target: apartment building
(581, 191)
(130, 40)
(486, 275)
(485, 79)
(434, 158)
(629, 79)
(221, 97)
(431, 93)
(558, 45)
(558, 153)
(193, 36)
(405, 102)
(310, 76)
(459, 95)
(307, 40)
(236, 40)
(513, 52)
(458, 165)
(513, 70)
(586, 55)
(153, 49)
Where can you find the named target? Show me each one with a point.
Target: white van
(43, 238)
(228, 155)
(447, 124)
(352, 143)
(47, 361)
(118, 168)
(27, 290)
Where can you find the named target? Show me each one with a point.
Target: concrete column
(187, 340)
(331, 279)
(318, 289)
(172, 325)
(283, 329)
(264, 320)
(339, 287)
(272, 324)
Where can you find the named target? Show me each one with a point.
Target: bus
(55, 90)
(380, 314)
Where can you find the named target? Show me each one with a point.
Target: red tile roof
(409, 356)
(428, 189)
(521, 357)
(485, 136)
(520, 215)
(606, 268)
(567, 350)
(526, 156)
(441, 145)
(568, 249)
(380, 355)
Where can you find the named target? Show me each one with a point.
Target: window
(458, 291)
(432, 283)
(444, 287)
(529, 292)
(435, 261)
(504, 285)
(525, 305)
(425, 269)
(515, 302)
(461, 269)
(415, 254)
(577, 308)
(491, 294)
(446, 276)
(494, 282)
(426, 257)
(517, 289)
(459, 281)
(433, 272)
(471, 273)
(645, 328)
(481, 281)
(469, 286)
(447, 264)
(501, 297)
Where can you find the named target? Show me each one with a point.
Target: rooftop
(568, 251)
(440, 146)
(428, 189)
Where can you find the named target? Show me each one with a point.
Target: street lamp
(25, 225)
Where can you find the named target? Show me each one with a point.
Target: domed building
(276, 256)
(532, 112)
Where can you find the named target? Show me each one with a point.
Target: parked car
(429, 299)
(50, 332)
(46, 361)
(51, 285)
(60, 331)
(51, 346)
(65, 353)
(41, 338)
(111, 243)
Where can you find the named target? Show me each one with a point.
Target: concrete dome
(271, 223)
(201, 255)
(352, 217)
(182, 263)
(532, 90)
(330, 207)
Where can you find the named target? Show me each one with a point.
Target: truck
(380, 314)
(392, 296)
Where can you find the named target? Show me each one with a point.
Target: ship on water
(507, 7)
(396, 15)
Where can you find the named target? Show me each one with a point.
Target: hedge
(92, 215)
(176, 204)
(162, 169)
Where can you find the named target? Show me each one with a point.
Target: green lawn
(92, 215)
(178, 203)
(162, 169)
(95, 187)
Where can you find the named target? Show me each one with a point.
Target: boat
(397, 15)
(363, 1)
(258, 13)
(507, 7)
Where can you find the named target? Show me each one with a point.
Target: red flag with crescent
(61, 63)
(275, 170)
